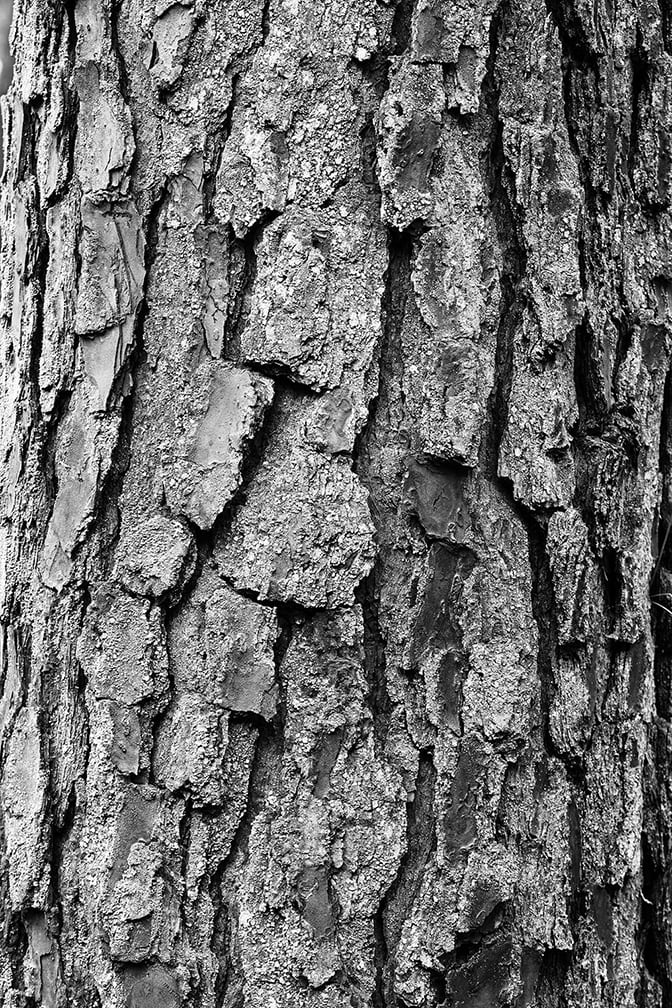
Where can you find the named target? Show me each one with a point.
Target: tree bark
(337, 483)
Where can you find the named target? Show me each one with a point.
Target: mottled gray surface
(335, 584)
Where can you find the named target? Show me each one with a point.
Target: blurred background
(5, 58)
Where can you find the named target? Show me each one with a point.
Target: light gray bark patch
(449, 324)
(171, 35)
(333, 421)
(45, 961)
(151, 987)
(122, 648)
(253, 177)
(56, 143)
(57, 355)
(190, 746)
(535, 448)
(138, 907)
(354, 28)
(317, 542)
(77, 471)
(23, 796)
(294, 130)
(137, 818)
(155, 554)
(196, 415)
(112, 272)
(83, 451)
(574, 704)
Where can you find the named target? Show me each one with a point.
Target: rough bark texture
(337, 482)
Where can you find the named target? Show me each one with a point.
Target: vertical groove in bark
(501, 185)
(400, 897)
(397, 290)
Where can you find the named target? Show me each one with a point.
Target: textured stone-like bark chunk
(497, 695)
(451, 362)
(196, 415)
(170, 41)
(284, 146)
(314, 519)
(105, 144)
(534, 452)
(330, 833)
(112, 251)
(203, 471)
(239, 639)
(572, 706)
(110, 288)
(335, 420)
(409, 125)
(139, 914)
(574, 575)
(215, 286)
(44, 980)
(450, 325)
(316, 301)
(535, 449)
(78, 472)
(57, 355)
(190, 746)
(125, 742)
(82, 459)
(437, 495)
(151, 987)
(458, 34)
(221, 647)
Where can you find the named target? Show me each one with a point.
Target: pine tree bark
(337, 482)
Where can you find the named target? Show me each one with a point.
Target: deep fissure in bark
(397, 901)
(501, 189)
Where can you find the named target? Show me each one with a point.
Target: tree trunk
(337, 482)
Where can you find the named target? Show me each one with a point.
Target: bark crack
(501, 188)
(403, 890)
